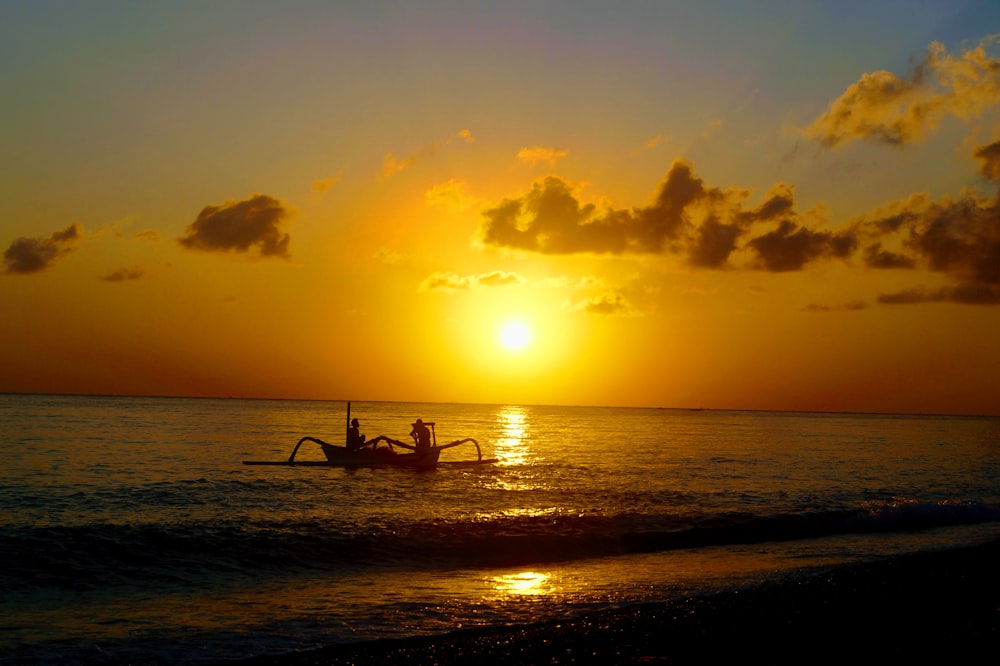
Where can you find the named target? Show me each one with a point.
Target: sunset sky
(766, 205)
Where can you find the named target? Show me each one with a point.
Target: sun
(514, 336)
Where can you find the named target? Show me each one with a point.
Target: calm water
(130, 530)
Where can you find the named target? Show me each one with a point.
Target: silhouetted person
(422, 435)
(355, 440)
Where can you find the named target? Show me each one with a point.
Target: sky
(722, 205)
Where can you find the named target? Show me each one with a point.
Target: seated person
(355, 440)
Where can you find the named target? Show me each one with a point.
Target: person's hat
(354, 422)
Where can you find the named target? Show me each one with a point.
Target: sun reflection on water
(512, 441)
(521, 584)
(514, 449)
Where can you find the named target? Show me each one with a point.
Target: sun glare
(514, 336)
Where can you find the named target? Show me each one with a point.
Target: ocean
(131, 532)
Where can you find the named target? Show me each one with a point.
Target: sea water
(130, 530)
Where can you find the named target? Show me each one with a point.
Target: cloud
(452, 195)
(958, 237)
(450, 282)
(966, 294)
(711, 129)
(989, 156)
(498, 279)
(123, 275)
(914, 295)
(386, 255)
(686, 217)
(321, 186)
(532, 156)
(877, 257)
(444, 281)
(885, 108)
(844, 307)
(650, 144)
(604, 304)
(711, 228)
(32, 255)
(239, 226)
(790, 247)
(392, 165)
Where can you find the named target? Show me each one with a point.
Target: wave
(194, 554)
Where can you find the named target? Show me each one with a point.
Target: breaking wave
(191, 553)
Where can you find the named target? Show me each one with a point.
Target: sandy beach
(942, 606)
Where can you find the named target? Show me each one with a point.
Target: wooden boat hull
(371, 462)
(341, 456)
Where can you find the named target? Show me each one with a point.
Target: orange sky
(779, 206)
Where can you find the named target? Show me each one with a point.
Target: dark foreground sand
(930, 608)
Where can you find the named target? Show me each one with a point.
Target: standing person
(355, 440)
(422, 436)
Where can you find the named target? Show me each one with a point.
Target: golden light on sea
(524, 583)
(512, 446)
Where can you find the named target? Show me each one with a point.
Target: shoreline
(919, 606)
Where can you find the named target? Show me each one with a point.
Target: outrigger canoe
(381, 452)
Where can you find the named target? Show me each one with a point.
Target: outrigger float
(380, 452)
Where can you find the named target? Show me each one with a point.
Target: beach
(928, 607)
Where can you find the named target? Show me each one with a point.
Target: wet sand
(941, 607)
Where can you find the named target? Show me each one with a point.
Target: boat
(381, 452)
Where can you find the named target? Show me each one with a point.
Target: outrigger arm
(391, 442)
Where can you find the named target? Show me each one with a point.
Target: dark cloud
(790, 247)
(975, 294)
(714, 242)
(665, 219)
(967, 294)
(239, 226)
(962, 238)
(885, 108)
(877, 257)
(685, 217)
(914, 295)
(549, 219)
(778, 203)
(845, 307)
(123, 275)
(605, 304)
(957, 237)
(31, 255)
(989, 156)
(711, 228)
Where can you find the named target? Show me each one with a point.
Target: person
(422, 436)
(355, 440)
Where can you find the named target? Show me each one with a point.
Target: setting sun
(514, 336)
